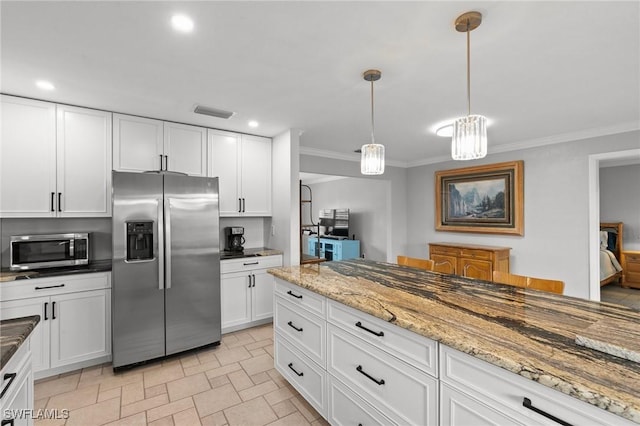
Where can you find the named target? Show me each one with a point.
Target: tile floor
(615, 293)
(232, 384)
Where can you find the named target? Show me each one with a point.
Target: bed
(610, 251)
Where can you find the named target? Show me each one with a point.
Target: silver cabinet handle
(167, 240)
(160, 242)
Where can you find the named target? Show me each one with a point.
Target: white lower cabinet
(75, 319)
(17, 388)
(246, 291)
(347, 408)
(458, 408)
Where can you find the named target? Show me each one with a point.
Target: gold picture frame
(485, 199)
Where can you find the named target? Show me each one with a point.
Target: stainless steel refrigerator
(166, 265)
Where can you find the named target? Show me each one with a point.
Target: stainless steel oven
(48, 251)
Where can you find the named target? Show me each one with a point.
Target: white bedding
(609, 265)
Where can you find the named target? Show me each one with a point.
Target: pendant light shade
(372, 157)
(469, 139)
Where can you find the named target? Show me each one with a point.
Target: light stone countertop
(527, 332)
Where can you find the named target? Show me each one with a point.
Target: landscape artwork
(486, 199)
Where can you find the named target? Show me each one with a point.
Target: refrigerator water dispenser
(139, 241)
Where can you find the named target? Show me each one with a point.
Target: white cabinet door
(84, 162)
(137, 143)
(224, 164)
(262, 295)
(459, 409)
(256, 176)
(185, 149)
(27, 158)
(235, 295)
(40, 335)
(80, 326)
(19, 396)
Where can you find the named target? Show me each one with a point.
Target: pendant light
(372, 159)
(469, 140)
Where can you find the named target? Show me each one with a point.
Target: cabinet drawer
(476, 254)
(505, 392)
(347, 408)
(401, 392)
(308, 379)
(306, 299)
(250, 263)
(633, 266)
(410, 347)
(632, 276)
(632, 257)
(23, 289)
(452, 251)
(307, 331)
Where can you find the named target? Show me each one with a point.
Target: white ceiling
(542, 72)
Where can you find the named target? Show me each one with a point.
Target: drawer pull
(290, 324)
(294, 370)
(377, 333)
(526, 403)
(360, 370)
(11, 377)
(290, 293)
(49, 286)
(251, 263)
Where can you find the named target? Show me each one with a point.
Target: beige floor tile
(135, 420)
(164, 374)
(258, 390)
(189, 361)
(320, 422)
(145, 404)
(215, 400)
(257, 365)
(261, 333)
(257, 352)
(259, 344)
(208, 356)
(74, 399)
(47, 388)
(309, 413)
(278, 395)
(230, 356)
(215, 419)
(49, 422)
(187, 386)
(243, 339)
(96, 414)
(284, 408)
(155, 390)
(225, 369)
(187, 418)
(110, 382)
(294, 419)
(109, 394)
(169, 409)
(220, 380)
(240, 380)
(133, 392)
(39, 404)
(165, 421)
(255, 412)
(277, 378)
(206, 366)
(96, 370)
(260, 378)
(269, 349)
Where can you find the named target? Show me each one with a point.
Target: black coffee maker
(234, 238)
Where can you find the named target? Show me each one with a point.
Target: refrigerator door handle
(167, 242)
(160, 243)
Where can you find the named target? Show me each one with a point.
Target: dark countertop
(527, 332)
(13, 332)
(249, 252)
(94, 266)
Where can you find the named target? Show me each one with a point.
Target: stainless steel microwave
(48, 251)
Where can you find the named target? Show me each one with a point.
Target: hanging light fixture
(372, 159)
(469, 140)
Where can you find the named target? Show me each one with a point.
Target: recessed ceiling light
(182, 23)
(45, 85)
(253, 123)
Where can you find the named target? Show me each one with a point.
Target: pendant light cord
(468, 68)
(372, 122)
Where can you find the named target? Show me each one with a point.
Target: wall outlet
(362, 255)
(273, 230)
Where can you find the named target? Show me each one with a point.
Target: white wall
(556, 202)
(367, 201)
(620, 201)
(396, 215)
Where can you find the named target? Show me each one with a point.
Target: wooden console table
(473, 261)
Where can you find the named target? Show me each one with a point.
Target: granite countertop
(94, 266)
(249, 252)
(13, 332)
(527, 332)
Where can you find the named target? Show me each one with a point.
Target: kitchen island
(528, 333)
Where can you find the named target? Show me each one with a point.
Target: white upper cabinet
(243, 165)
(142, 144)
(137, 143)
(55, 160)
(185, 149)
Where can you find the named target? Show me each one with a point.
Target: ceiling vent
(213, 112)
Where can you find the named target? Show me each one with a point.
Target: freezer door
(137, 284)
(192, 262)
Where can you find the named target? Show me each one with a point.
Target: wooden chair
(552, 286)
(415, 262)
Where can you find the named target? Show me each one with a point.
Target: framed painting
(486, 199)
